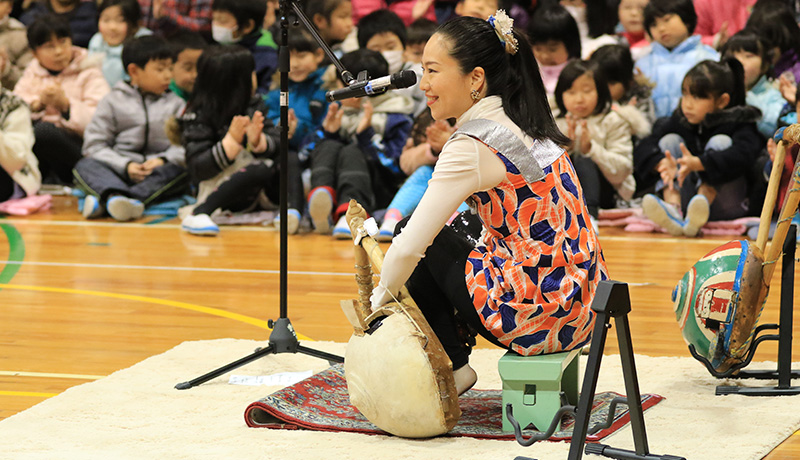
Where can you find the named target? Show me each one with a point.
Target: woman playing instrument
(529, 284)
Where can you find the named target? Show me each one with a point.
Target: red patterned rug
(321, 403)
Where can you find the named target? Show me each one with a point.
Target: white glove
(380, 296)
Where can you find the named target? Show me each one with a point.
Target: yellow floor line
(137, 298)
(28, 393)
(50, 375)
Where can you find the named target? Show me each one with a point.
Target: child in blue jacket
(674, 50)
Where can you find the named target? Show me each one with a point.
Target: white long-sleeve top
(465, 166)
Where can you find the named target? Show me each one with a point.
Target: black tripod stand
(283, 338)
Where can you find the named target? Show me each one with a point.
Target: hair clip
(503, 26)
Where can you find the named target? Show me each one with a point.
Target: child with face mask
(555, 40)
(239, 22)
(383, 31)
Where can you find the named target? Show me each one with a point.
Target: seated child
(356, 152)
(80, 14)
(631, 21)
(231, 148)
(601, 150)
(756, 57)
(239, 22)
(384, 32)
(630, 91)
(596, 22)
(19, 169)
(554, 38)
(129, 161)
(306, 96)
(13, 40)
(62, 89)
(418, 34)
(334, 22)
(701, 156)
(187, 46)
(118, 21)
(673, 52)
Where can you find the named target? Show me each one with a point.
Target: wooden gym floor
(81, 299)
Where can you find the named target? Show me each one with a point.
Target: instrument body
(718, 302)
(398, 374)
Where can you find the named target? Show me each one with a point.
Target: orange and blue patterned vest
(533, 278)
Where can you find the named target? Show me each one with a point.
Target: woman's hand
(238, 127)
(366, 117)
(333, 119)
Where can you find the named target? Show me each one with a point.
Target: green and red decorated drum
(717, 303)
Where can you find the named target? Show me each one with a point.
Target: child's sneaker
(200, 224)
(665, 215)
(386, 232)
(91, 207)
(123, 209)
(342, 231)
(293, 218)
(697, 212)
(320, 205)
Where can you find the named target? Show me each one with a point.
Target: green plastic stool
(533, 386)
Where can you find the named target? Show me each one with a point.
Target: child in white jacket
(601, 149)
(19, 172)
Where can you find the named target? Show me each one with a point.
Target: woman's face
(580, 99)
(448, 90)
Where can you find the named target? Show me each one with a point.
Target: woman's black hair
(378, 22)
(616, 64)
(515, 78)
(45, 27)
(774, 22)
(602, 17)
(659, 8)
(712, 79)
(131, 12)
(224, 84)
(748, 41)
(555, 23)
(574, 70)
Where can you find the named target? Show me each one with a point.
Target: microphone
(402, 79)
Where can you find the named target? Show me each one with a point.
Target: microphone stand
(283, 338)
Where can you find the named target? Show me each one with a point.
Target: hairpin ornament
(503, 26)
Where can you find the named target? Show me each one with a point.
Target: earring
(475, 95)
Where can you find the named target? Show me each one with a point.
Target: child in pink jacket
(62, 88)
